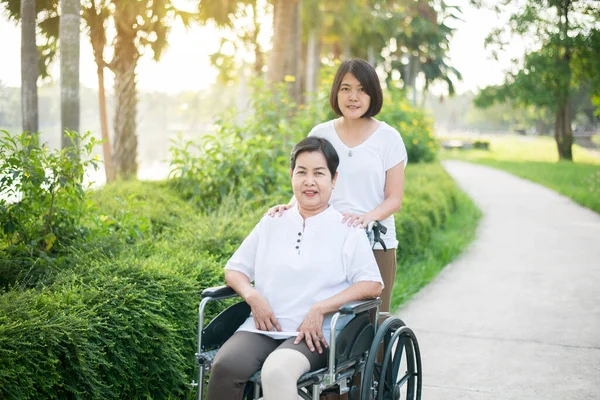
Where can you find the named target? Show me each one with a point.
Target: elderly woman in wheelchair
(312, 276)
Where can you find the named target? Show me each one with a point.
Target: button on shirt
(296, 263)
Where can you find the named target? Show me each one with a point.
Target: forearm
(358, 291)
(240, 283)
(388, 207)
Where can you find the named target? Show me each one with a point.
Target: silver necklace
(343, 129)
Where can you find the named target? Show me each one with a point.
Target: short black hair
(311, 144)
(366, 75)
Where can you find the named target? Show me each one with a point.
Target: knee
(273, 370)
(284, 367)
(227, 367)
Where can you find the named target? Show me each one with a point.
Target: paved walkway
(517, 316)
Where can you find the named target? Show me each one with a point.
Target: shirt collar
(315, 219)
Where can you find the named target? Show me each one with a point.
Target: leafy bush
(415, 128)
(430, 197)
(250, 159)
(42, 203)
(41, 191)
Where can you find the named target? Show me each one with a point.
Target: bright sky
(185, 64)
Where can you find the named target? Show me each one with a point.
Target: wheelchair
(353, 353)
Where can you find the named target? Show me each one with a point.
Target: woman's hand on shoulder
(264, 318)
(278, 210)
(355, 219)
(311, 330)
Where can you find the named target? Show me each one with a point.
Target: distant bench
(466, 144)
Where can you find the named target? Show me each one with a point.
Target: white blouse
(360, 186)
(295, 263)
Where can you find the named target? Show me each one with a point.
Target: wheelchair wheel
(384, 380)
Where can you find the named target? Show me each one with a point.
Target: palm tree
(69, 67)
(29, 67)
(96, 14)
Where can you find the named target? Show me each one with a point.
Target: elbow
(397, 205)
(228, 278)
(375, 289)
(379, 289)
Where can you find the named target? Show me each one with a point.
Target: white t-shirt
(360, 186)
(296, 263)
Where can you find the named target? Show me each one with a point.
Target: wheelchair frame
(395, 337)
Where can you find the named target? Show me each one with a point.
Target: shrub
(415, 128)
(248, 159)
(430, 197)
(42, 201)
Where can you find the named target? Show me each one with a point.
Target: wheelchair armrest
(219, 292)
(358, 306)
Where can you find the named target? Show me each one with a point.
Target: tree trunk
(109, 167)
(123, 65)
(412, 78)
(29, 68)
(563, 133)
(312, 63)
(297, 51)
(371, 55)
(95, 20)
(69, 68)
(259, 61)
(283, 59)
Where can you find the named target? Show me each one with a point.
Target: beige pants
(386, 261)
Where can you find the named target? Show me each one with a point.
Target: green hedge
(122, 323)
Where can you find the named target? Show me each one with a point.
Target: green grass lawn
(536, 159)
(416, 271)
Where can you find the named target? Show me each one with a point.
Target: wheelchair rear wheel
(384, 380)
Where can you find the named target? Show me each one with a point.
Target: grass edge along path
(578, 181)
(448, 242)
(535, 158)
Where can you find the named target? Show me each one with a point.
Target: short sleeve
(395, 151)
(359, 261)
(244, 258)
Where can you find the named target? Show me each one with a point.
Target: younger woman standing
(372, 156)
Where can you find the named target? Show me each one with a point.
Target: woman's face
(312, 182)
(353, 101)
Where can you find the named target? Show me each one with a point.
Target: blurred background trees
(557, 73)
(297, 43)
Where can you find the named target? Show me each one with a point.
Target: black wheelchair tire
(380, 380)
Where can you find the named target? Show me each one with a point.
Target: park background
(100, 284)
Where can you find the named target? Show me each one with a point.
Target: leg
(284, 366)
(237, 360)
(386, 261)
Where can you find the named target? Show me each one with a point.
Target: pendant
(349, 153)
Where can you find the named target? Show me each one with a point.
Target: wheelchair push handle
(374, 231)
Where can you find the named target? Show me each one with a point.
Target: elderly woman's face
(312, 182)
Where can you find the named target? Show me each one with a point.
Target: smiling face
(352, 99)
(312, 183)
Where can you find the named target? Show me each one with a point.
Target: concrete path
(517, 316)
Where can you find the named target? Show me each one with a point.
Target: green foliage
(430, 197)
(42, 198)
(415, 128)
(41, 191)
(82, 335)
(248, 159)
(122, 323)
